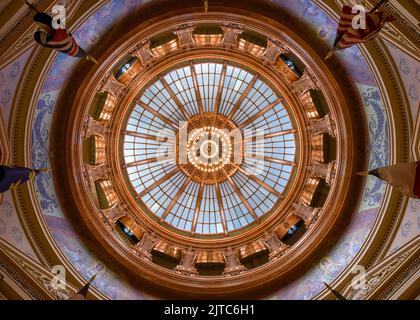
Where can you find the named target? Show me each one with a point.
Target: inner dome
(209, 147)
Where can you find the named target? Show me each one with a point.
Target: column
(231, 31)
(324, 125)
(306, 213)
(143, 53)
(233, 265)
(277, 248)
(185, 35)
(324, 171)
(144, 248)
(187, 266)
(272, 52)
(111, 85)
(110, 216)
(95, 173)
(305, 83)
(93, 127)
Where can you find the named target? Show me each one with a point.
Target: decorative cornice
(366, 287)
(32, 277)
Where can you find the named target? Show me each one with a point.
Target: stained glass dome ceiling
(209, 148)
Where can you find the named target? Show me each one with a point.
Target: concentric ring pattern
(170, 189)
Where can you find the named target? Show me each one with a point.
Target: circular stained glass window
(209, 148)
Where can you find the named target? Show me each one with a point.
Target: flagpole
(31, 6)
(378, 5)
(337, 294)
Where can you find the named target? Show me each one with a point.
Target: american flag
(348, 36)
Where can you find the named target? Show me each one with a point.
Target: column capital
(273, 51)
(307, 82)
(324, 125)
(185, 34)
(276, 246)
(186, 266)
(111, 85)
(94, 127)
(143, 53)
(231, 31)
(233, 265)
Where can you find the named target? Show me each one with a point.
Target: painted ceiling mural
(113, 284)
(410, 74)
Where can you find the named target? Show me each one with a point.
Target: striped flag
(13, 177)
(404, 176)
(58, 39)
(348, 36)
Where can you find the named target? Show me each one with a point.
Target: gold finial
(91, 58)
(206, 6)
(329, 55)
(363, 173)
(92, 278)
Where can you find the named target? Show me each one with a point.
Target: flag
(404, 176)
(82, 293)
(13, 177)
(348, 36)
(337, 294)
(58, 39)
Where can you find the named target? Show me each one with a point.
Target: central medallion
(209, 148)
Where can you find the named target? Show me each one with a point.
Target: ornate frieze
(36, 281)
(375, 277)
